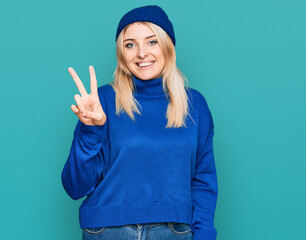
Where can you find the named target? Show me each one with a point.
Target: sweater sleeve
(87, 159)
(204, 183)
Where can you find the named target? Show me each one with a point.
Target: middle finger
(93, 80)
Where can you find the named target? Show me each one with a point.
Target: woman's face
(142, 53)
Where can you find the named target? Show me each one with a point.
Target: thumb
(93, 115)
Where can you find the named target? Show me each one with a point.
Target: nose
(142, 52)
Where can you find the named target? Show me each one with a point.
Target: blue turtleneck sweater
(141, 172)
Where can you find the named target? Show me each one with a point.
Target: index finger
(77, 81)
(93, 80)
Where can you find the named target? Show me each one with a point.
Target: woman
(151, 174)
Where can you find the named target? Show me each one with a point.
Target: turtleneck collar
(151, 87)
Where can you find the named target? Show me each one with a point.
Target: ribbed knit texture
(142, 172)
(150, 13)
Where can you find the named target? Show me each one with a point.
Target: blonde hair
(173, 80)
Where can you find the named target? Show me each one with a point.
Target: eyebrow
(134, 39)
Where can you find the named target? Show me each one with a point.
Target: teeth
(145, 64)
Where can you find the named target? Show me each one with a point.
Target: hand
(88, 109)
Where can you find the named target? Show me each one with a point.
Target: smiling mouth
(145, 65)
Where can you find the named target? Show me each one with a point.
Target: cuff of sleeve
(91, 134)
(205, 234)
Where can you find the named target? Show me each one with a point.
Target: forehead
(138, 30)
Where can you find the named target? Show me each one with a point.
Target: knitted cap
(150, 13)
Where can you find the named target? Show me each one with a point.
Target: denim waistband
(151, 224)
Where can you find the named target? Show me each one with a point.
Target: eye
(153, 42)
(129, 45)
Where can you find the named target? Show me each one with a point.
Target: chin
(147, 76)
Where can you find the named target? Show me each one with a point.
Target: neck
(151, 87)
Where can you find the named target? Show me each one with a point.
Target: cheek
(159, 55)
(128, 57)
(161, 58)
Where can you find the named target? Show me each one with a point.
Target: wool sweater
(139, 171)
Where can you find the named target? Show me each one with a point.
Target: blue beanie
(151, 13)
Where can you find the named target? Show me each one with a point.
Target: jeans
(146, 231)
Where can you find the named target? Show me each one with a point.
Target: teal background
(248, 58)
